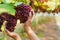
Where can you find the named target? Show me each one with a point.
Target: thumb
(31, 14)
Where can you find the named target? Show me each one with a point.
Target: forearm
(30, 33)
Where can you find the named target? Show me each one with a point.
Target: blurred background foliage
(37, 5)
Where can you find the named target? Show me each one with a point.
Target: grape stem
(12, 34)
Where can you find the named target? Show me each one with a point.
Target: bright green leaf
(9, 8)
(7, 1)
(18, 3)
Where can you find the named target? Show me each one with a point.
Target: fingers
(8, 32)
(31, 14)
(30, 19)
(11, 34)
(5, 27)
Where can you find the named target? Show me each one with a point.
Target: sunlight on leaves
(9, 8)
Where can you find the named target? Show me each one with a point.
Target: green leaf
(7, 1)
(18, 3)
(9, 8)
(24, 1)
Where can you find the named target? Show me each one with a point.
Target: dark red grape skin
(11, 21)
(1, 21)
(22, 12)
(10, 26)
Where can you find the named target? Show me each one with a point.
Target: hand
(28, 29)
(11, 34)
(30, 18)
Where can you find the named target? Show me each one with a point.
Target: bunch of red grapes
(22, 13)
(11, 21)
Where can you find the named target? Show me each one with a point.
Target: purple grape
(22, 12)
(11, 21)
(1, 21)
(10, 27)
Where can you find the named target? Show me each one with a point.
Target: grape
(11, 21)
(1, 21)
(22, 12)
(6, 16)
(10, 27)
